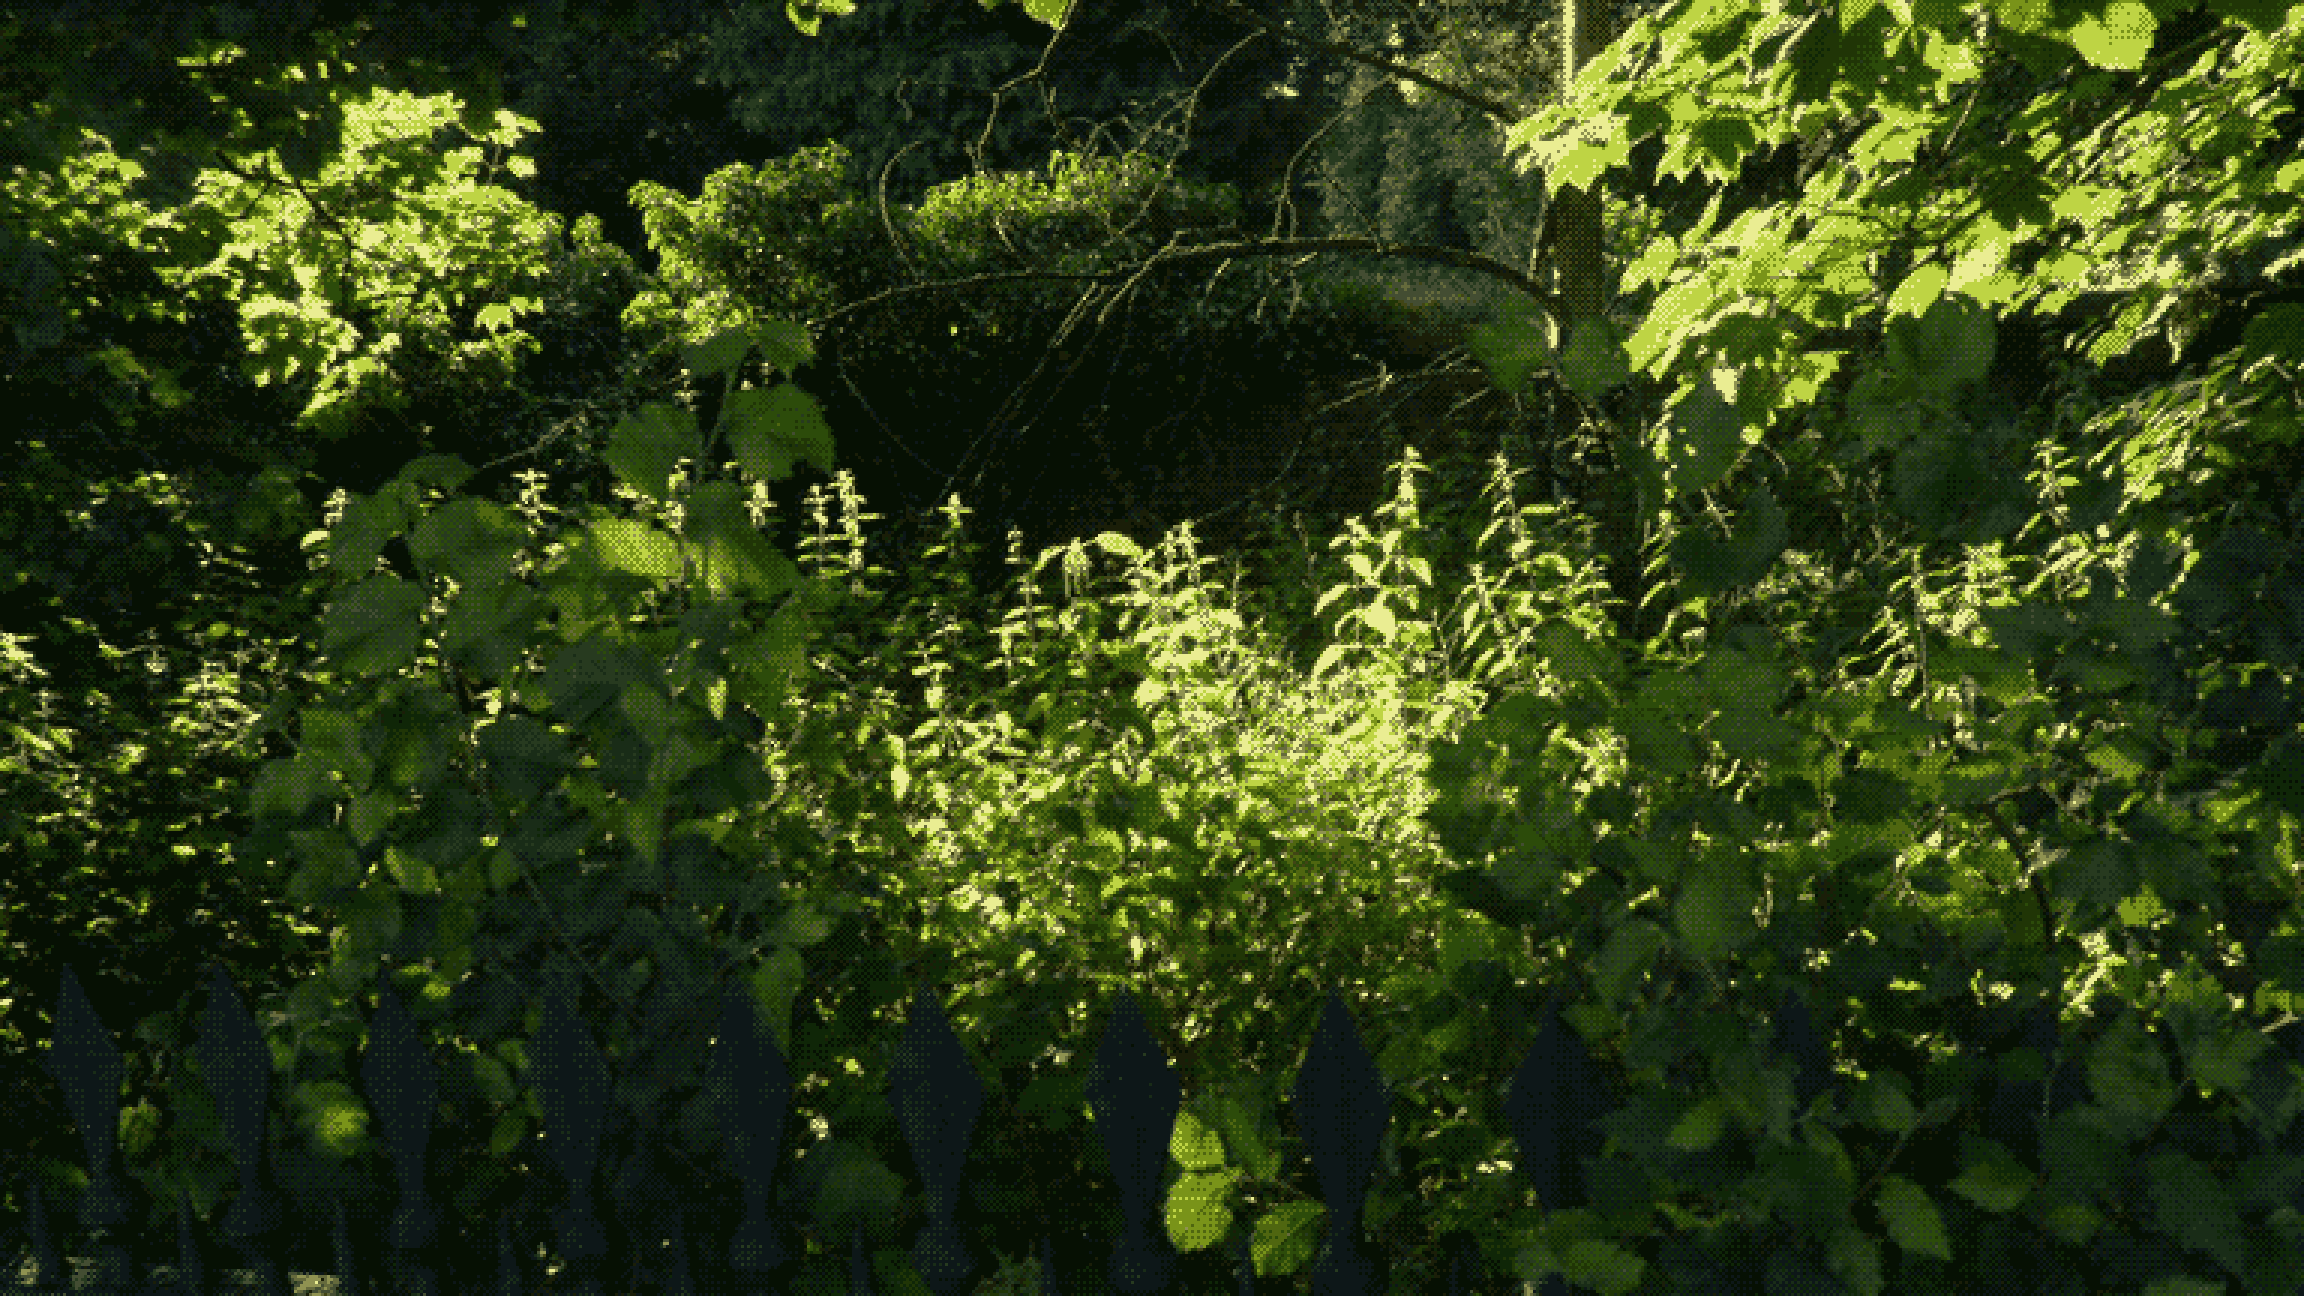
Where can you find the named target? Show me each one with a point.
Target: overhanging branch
(1234, 9)
(1173, 254)
(1840, 338)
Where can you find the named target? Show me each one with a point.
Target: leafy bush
(335, 276)
(987, 390)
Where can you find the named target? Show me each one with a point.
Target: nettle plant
(1803, 1078)
(516, 769)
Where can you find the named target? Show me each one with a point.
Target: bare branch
(1234, 9)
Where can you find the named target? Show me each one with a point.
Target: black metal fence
(1341, 1108)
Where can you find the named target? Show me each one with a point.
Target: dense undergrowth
(1276, 709)
(1291, 789)
(1897, 685)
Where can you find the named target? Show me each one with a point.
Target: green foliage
(1933, 710)
(459, 821)
(119, 776)
(397, 300)
(777, 236)
(1406, 164)
(791, 237)
(849, 87)
(989, 389)
(1958, 822)
(557, 407)
(102, 346)
(905, 86)
(394, 243)
(381, 300)
(1086, 214)
(144, 585)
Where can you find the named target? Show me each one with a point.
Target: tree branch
(1824, 339)
(1234, 9)
(1172, 254)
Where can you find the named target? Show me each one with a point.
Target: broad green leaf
(2023, 15)
(1885, 1103)
(2119, 36)
(475, 542)
(372, 627)
(1706, 439)
(327, 865)
(1815, 56)
(1713, 913)
(645, 446)
(1710, 565)
(733, 559)
(2129, 1075)
(524, 757)
(1510, 346)
(1286, 1237)
(631, 545)
(1699, 1127)
(715, 356)
(488, 627)
(332, 1117)
(1990, 1177)
(1921, 290)
(1598, 1266)
(771, 430)
(1913, 1220)
(286, 787)
(1593, 362)
(369, 522)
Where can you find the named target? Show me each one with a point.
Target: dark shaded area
(880, 80)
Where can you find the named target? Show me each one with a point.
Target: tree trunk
(1578, 251)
